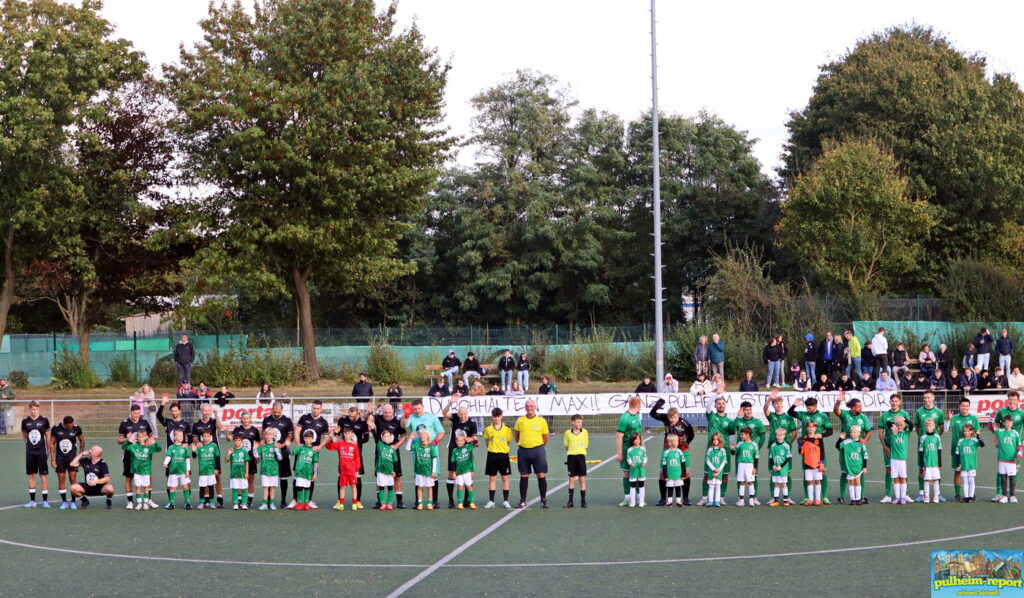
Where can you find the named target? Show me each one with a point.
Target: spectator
(647, 386)
(748, 384)
(968, 380)
(937, 381)
(547, 387)
(516, 391)
(802, 383)
(265, 395)
(782, 365)
(880, 350)
(450, 368)
(523, 372)
(223, 396)
(907, 380)
(1004, 348)
(717, 384)
(203, 392)
(969, 359)
(920, 381)
(506, 369)
(926, 360)
(953, 380)
(440, 388)
(6, 394)
(472, 368)
(496, 390)
(184, 355)
(853, 343)
(701, 386)
(717, 355)
(985, 380)
(867, 363)
(669, 384)
(999, 381)
(866, 382)
(477, 389)
(394, 392)
(844, 382)
(794, 371)
(943, 360)
(900, 360)
(149, 404)
(1016, 380)
(828, 355)
(884, 382)
(461, 387)
(983, 342)
(187, 398)
(810, 355)
(362, 389)
(772, 357)
(823, 384)
(702, 356)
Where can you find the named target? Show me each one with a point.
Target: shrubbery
(70, 371)
(18, 378)
(121, 370)
(240, 366)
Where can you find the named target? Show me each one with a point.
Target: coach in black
(386, 420)
(35, 430)
(312, 421)
(63, 438)
(176, 422)
(126, 431)
(97, 477)
(284, 432)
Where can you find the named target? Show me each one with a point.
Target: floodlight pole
(659, 332)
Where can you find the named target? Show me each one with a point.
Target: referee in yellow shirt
(531, 431)
(576, 442)
(498, 437)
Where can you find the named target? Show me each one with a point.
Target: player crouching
(97, 477)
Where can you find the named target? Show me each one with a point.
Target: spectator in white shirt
(880, 349)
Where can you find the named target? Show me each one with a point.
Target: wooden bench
(434, 372)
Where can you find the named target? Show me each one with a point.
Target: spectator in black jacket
(184, 355)
(953, 380)
(782, 366)
(829, 354)
(943, 359)
(394, 393)
(748, 384)
(823, 384)
(937, 381)
(506, 369)
(985, 381)
(496, 391)
(223, 396)
(472, 369)
(999, 380)
(844, 382)
(968, 380)
(1004, 348)
(866, 382)
(362, 389)
(440, 389)
(772, 357)
(547, 387)
(983, 342)
(461, 387)
(907, 381)
(900, 361)
(867, 359)
(646, 386)
(450, 368)
(921, 381)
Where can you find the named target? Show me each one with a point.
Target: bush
(384, 365)
(121, 370)
(163, 373)
(342, 372)
(240, 366)
(980, 291)
(18, 378)
(70, 371)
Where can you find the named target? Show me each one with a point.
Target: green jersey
(463, 457)
(848, 420)
(239, 460)
(718, 424)
(746, 452)
(426, 460)
(854, 456)
(1008, 441)
(929, 448)
(956, 426)
(209, 458)
(306, 459)
(756, 429)
(629, 424)
(268, 455)
(898, 443)
(1017, 415)
(717, 458)
(142, 456)
(780, 455)
(888, 417)
(636, 458)
(177, 459)
(967, 452)
(784, 421)
(672, 461)
(386, 455)
(922, 415)
(819, 418)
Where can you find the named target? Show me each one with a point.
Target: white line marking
(405, 587)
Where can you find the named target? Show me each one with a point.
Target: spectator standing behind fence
(810, 356)
(184, 355)
(716, 352)
(782, 364)
(223, 396)
(394, 393)
(1004, 348)
(187, 397)
(362, 389)
(880, 351)
(523, 372)
(970, 357)
(968, 380)
(472, 368)
(450, 368)
(440, 389)
(748, 384)
(828, 355)
(885, 383)
(1015, 380)
(506, 367)
(983, 342)
(265, 395)
(670, 384)
(6, 394)
(772, 357)
(853, 344)
(547, 387)
(647, 386)
(702, 356)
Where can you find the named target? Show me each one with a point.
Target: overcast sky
(749, 62)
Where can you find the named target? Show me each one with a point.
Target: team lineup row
(282, 449)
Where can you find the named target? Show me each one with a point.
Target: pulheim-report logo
(977, 573)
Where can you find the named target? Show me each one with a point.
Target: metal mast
(659, 332)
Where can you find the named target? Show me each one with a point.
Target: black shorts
(451, 461)
(65, 466)
(36, 464)
(126, 465)
(284, 466)
(96, 490)
(498, 464)
(534, 459)
(577, 465)
(398, 464)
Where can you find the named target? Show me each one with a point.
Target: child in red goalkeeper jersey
(349, 461)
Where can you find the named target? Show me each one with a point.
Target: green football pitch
(871, 550)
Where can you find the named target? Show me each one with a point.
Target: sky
(751, 63)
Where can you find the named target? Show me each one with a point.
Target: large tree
(955, 131)
(55, 60)
(317, 123)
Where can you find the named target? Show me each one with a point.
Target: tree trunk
(305, 315)
(83, 343)
(74, 308)
(7, 291)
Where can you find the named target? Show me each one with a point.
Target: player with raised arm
(178, 465)
(823, 428)
(348, 464)
(780, 458)
(284, 432)
(966, 459)
(315, 421)
(746, 420)
(928, 411)
(63, 438)
(96, 477)
(718, 423)
(1008, 447)
(955, 423)
(35, 431)
(142, 451)
(853, 415)
(884, 424)
(854, 456)
(929, 456)
(250, 441)
(676, 426)
(1014, 411)
(779, 419)
(127, 430)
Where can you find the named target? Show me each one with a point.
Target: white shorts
(745, 472)
(142, 481)
(898, 469)
(812, 475)
(853, 477)
(205, 481)
(673, 483)
(424, 481)
(384, 479)
(779, 479)
(268, 481)
(301, 483)
(968, 473)
(1005, 468)
(239, 484)
(173, 481)
(644, 479)
(464, 479)
(932, 474)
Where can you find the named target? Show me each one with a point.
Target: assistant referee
(531, 431)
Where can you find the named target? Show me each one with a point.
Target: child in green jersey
(897, 443)
(716, 462)
(142, 451)
(673, 466)
(1008, 446)
(179, 467)
(966, 460)
(269, 456)
(462, 454)
(208, 455)
(746, 467)
(929, 455)
(306, 459)
(955, 423)
(239, 459)
(426, 468)
(854, 457)
(780, 455)
(636, 458)
(385, 470)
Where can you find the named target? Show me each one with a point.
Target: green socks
(888, 484)
(470, 492)
(703, 486)
(920, 484)
(999, 484)
(188, 495)
(843, 483)
(170, 497)
(625, 486)
(458, 495)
